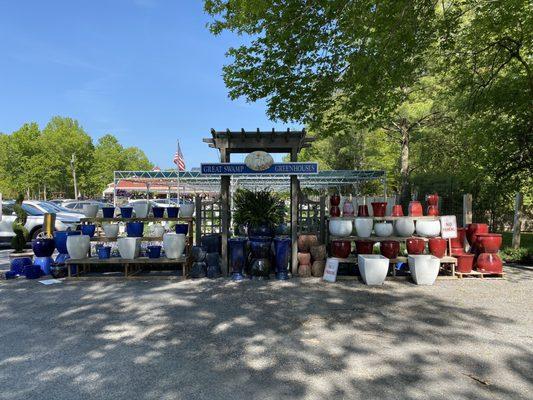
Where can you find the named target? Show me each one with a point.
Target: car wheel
(35, 232)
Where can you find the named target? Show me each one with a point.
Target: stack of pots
(432, 201)
(305, 242)
(199, 266)
(488, 260)
(465, 261)
(334, 209)
(318, 255)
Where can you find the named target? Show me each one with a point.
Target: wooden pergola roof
(270, 141)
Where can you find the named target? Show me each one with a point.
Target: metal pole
(72, 164)
(114, 188)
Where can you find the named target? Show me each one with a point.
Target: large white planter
(404, 226)
(383, 229)
(186, 210)
(78, 246)
(340, 227)
(129, 247)
(363, 227)
(424, 268)
(174, 244)
(157, 230)
(373, 268)
(110, 230)
(427, 228)
(90, 210)
(141, 208)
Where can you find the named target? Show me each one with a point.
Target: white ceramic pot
(363, 227)
(186, 210)
(383, 229)
(340, 227)
(110, 230)
(78, 246)
(404, 226)
(157, 230)
(90, 210)
(141, 208)
(174, 244)
(373, 268)
(424, 268)
(428, 228)
(129, 247)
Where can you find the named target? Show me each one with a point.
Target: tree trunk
(404, 164)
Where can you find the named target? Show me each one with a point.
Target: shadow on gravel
(221, 340)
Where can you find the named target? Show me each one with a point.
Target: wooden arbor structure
(234, 142)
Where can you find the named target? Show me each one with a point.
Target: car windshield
(47, 207)
(31, 210)
(56, 207)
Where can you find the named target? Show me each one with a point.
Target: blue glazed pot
(32, 272)
(237, 257)
(61, 258)
(182, 228)
(282, 249)
(154, 251)
(43, 247)
(213, 265)
(259, 230)
(88, 229)
(198, 253)
(18, 264)
(134, 229)
(108, 212)
(10, 275)
(104, 252)
(212, 242)
(126, 212)
(198, 269)
(159, 212)
(172, 212)
(44, 263)
(260, 247)
(60, 238)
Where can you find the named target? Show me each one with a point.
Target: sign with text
(448, 226)
(294, 168)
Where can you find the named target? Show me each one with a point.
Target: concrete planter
(141, 208)
(129, 247)
(78, 246)
(363, 227)
(424, 268)
(186, 210)
(383, 229)
(174, 244)
(373, 268)
(340, 227)
(90, 210)
(428, 228)
(404, 227)
(110, 230)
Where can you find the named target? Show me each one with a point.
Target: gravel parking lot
(300, 339)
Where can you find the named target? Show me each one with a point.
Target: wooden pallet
(481, 275)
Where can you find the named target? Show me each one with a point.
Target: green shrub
(520, 255)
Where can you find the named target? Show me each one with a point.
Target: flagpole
(178, 168)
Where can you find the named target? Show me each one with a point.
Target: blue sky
(147, 71)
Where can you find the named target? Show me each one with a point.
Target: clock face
(259, 161)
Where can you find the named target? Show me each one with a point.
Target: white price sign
(448, 226)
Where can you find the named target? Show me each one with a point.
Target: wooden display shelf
(389, 218)
(376, 238)
(443, 260)
(481, 275)
(147, 219)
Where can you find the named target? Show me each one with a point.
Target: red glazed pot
(432, 199)
(458, 242)
(488, 262)
(335, 211)
(457, 251)
(389, 248)
(364, 246)
(465, 263)
(437, 247)
(341, 248)
(397, 210)
(362, 211)
(472, 230)
(433, 210)
(488, 242)
(415, 245)
(379, 208)
(335, 200)
(415, 209)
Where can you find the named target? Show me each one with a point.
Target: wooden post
(224, 195)
(517, 223)
(467, 209)
(294, 216)
(323, 219)
(198, 224)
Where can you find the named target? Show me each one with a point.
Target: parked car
(35, 220)
(77, 205)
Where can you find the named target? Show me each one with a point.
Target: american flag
(178, 159)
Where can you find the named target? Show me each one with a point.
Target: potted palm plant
(259, 211)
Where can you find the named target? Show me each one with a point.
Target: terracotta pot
(304, 271)
(489, 262)
(415, 209)
(379, 208)
(465, 263)
(473, 229)
(364, 246)
(488, 242)
(362, 211)
(334, 211)
(437, 247)
(304, 258)
(432, 199)
(397, 210)
(318, 252)
(459, 241)
(317, 269)
(415, 245)
(389, 248)
(433, 210)
(335, 199)
(341, 248)
(306, 241)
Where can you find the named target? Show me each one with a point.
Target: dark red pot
(473, 229)
(415, 209)
(433, 210)
(397, 210)
(488, 242)
(362, 211)
(379, 208)
(459, 241)
(335, 200)
(465, 262)
(364, 246)
(335, 211)
(415, 245)
(437, 247)
(341, 248)
(389, 248)
(489, 262)
(457, 251)
(432, 199)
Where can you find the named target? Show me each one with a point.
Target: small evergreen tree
(21, 233)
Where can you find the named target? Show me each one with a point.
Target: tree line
(35, 161)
